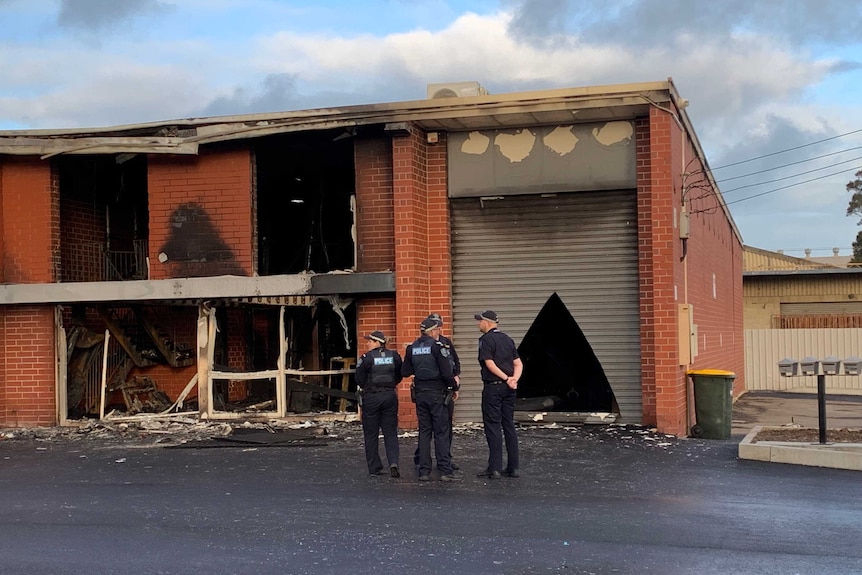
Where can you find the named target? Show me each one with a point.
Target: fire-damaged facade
(227, 266)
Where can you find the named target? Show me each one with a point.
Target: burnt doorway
(305, 191)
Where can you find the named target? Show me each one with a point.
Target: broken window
(103, 217)
(305, 188)
(130, 358)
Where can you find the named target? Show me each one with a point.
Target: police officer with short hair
(432, 376)
(501, 369)
(378, 371)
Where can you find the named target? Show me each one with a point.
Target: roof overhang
(545, 107)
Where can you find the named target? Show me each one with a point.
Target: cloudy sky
(774, 85)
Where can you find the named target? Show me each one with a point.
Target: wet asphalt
(591, 500)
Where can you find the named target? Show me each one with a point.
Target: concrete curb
(834, 455)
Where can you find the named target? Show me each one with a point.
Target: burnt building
(228, 264)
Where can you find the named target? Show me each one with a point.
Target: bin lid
(719, 372)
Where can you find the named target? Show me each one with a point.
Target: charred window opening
(561, 371)
(151, 358)
(103, 217)
(305, 185)
(247, 341)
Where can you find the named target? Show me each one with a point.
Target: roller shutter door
(512, 254)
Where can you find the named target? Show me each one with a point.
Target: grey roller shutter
(512, 254)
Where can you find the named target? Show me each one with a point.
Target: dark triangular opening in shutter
(561, 371)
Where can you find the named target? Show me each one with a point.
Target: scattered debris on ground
(179, 430)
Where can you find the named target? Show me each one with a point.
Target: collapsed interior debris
(123, 360)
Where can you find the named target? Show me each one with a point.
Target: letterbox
(831, 365)
(787, 367)
(853, 365)
(809, 365)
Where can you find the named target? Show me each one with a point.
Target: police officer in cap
(378, 371)
(501, 369)
(455, 362)
(428, 363)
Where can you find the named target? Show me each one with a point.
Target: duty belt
(376, 389)
(494, 382)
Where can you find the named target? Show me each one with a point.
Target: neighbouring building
(797, 308)
(229, 264)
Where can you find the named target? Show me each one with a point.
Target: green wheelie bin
(713, 403)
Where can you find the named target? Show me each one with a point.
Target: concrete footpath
(756, 411)
(591, 500)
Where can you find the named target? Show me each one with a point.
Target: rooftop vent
(455, 90)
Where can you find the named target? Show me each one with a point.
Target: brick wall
(84, 231)
(30, 221)
(375, 219)
(715, 284)
(667, 279)
(30, 230)
(27, 360)
(413, 174)
(201, 214)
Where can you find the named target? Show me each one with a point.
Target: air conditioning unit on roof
(455, 90)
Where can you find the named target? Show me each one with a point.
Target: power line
(787, 150)
(791, 176)
(785, 187)
(790, 164)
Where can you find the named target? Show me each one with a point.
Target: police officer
(501, 368)
(455, 362)
(428, 363)
(378, 371)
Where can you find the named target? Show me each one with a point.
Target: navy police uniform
(498, 400)
(428, 363)
(377, 373)
(455, 363)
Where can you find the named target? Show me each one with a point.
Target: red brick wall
(30, 221)
(413, 174)
(27, 360)
(237, 353)
(30, 230)
(667, 279)
(715, 284)
(202, 214)
(375, 218)
(84, 230)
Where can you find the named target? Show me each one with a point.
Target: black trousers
(380, 412)
(451, 408)
(498, 417)
(433, 422)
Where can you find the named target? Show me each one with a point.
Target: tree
(855, 208)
